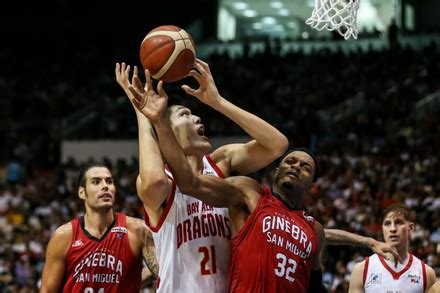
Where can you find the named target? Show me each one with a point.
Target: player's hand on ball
(168, 52)
(207, 92)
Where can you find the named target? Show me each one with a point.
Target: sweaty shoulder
(138, 228)
(431, 277)
(64, 231)
(357, 278)
(63, 237)
(135, 224)
(359, 268)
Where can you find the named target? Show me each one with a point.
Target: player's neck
(403, 254)
(97, 223)
(402, 250)
(292, 202)
(196, 163)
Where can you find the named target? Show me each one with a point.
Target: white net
(339, 15)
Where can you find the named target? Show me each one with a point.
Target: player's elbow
(278, 146)
(152, 181)
(281, 145)
(151, 189)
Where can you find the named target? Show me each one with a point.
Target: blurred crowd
(356, 111)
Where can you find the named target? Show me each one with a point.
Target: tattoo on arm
(148, 250)
(151, 262)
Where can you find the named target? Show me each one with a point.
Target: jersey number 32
(286, 267)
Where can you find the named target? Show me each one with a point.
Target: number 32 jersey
(192, 242)
(274, 250)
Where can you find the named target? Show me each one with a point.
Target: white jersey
(379, 276)
(192, 242)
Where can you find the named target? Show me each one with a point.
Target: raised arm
(268, 143)
(54, 266)
(341, 237)
(210, 189)
(152, 183)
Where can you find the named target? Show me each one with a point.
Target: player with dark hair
(275, 244)
(376, 274)
(147, 102)
(102, 250)
(193, 239)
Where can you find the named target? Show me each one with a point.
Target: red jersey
(105, 265)
(274, 249)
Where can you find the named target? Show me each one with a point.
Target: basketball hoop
(339, 15)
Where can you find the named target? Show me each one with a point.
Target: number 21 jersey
(192, 242)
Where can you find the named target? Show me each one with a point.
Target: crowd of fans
(371, 154)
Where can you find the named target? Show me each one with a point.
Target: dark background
(61, 28)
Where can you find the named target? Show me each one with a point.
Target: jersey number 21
(208, 265)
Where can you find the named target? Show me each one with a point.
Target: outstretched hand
(122, 73)
(207, 92)
(149, 102)
(385, 249)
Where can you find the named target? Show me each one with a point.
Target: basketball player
(102, 250)
(275, 245)
(375, 274)
(202, 257)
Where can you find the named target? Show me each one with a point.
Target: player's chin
(105, 205)
(287, 185)
(106, 200)
(393, 241)
(204, 145)
(203, 138)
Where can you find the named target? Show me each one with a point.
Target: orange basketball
(168, 52)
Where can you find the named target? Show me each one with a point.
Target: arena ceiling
(286, 18)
